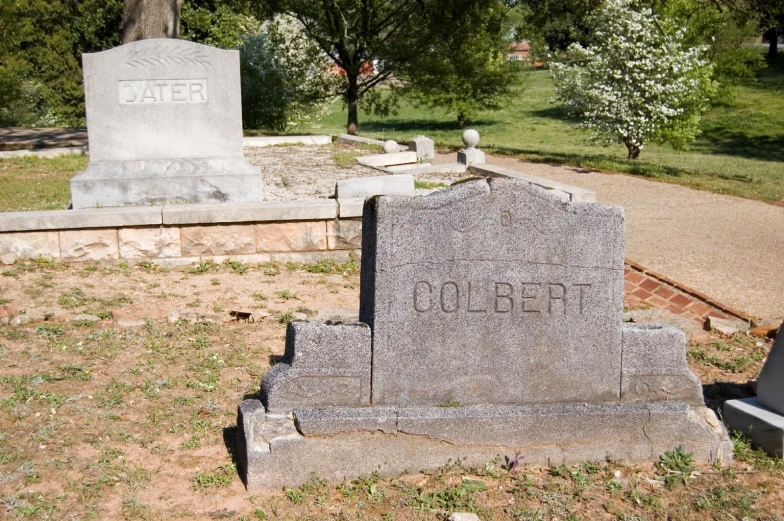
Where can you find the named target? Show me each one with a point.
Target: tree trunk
(352, 100)
(461, 120)
(772, 35)
(634, 150)
(146, 19)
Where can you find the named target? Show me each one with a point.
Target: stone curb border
(699, 296)
(204, 213)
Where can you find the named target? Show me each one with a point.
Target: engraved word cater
(547, 298)
(142, 92)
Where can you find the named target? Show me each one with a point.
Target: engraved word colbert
(548, 298)
(137, 92)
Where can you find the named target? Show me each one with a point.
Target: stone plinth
(164, 125)
(343, 444)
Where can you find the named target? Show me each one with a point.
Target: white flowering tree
(287, 80)
(637, 82)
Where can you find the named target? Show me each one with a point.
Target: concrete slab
(87, 218)
(359, 140)
(362, 187)
(396, 158)
(310, 210)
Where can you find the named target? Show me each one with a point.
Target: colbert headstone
(762, 418)
(164, 123)
(496, 316)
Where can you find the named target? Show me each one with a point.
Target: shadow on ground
(716, 394)
(726, 142)
(420, 126)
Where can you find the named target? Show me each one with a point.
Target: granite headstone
(494, 326)
(164, 123)
(471, 292)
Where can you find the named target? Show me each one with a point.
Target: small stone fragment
(118, 314)
(192, 316)
(242, 316)
(85, 318)
(725, 326)
(7, 310)
(20, 320)
(463, 516)
(130, 323)
(767, 330)
(8, 259)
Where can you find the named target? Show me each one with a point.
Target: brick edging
(688, 290)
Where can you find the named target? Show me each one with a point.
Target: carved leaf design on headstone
(151, 57)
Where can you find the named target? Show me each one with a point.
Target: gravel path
(729, 248)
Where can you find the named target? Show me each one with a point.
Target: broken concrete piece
(396, 158)
(726, 326)
(463, 516)
(362, 187)
(424, 148)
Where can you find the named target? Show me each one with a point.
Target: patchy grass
(346, 158)
(32, 183)
(98, 423)
(427, 185)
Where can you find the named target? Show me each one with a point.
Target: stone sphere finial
(390, 146)
(471, 138)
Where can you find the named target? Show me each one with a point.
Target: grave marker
(164, 123)
(496, 316)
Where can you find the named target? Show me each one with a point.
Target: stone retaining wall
(300, 231)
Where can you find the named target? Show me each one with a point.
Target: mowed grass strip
(739, 152)
(34, 183)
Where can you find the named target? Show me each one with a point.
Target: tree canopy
(639, 81)
(371, 41)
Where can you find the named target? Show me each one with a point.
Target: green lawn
(740, 150)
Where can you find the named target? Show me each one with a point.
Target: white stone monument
(164, 123)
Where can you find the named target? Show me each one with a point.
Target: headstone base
(126, 183)
(276, 450)
(471, 156)
(763, 426)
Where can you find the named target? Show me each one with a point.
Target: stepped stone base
(122, 183)
(278, 450)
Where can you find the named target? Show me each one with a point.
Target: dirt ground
(116, 419)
